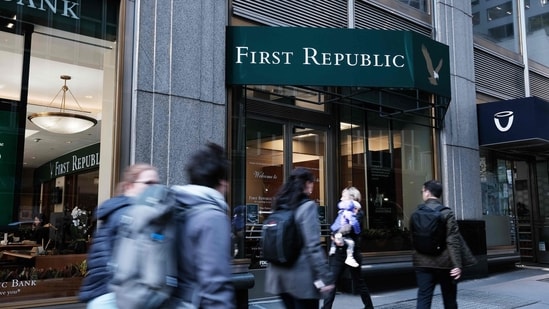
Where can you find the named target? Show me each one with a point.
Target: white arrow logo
(503, 115)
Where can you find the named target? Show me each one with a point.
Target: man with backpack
(440, 252)
(204, 267)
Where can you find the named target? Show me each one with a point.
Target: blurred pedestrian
(338, 259)
(300, 286)
(95, 287)
(444, 268)
(205, 275)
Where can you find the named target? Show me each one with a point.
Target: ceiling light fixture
(62, 122)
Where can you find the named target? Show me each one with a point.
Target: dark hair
(291, 193)
(208, 166)
(433, 186)
(131, 174)
(41, 217)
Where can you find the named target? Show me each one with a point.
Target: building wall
(178, 82)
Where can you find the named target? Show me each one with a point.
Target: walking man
(442, 267)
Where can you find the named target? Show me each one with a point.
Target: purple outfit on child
(345, 221)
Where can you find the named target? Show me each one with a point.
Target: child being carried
(344, 224)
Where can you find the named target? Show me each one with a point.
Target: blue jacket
(96, 282)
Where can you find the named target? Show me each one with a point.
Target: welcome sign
(336, 57)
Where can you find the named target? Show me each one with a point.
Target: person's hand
(455, 273)
(327, 288)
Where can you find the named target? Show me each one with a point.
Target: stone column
(179, 93)
(459, 146)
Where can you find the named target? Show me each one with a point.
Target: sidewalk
(525, 288)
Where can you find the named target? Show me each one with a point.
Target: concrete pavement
(524, 287)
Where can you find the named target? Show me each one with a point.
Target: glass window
(496, 177)
(11, 60)
(305, 98)
(542, 170)
(388, 161)
(45, 250)
(537, 31)
(497, 21)
(418, 4)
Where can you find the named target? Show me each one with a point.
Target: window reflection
(388, 162)
(537, 32)
(418, 4)
(498, 22)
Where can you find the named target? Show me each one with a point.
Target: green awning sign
(337, 57)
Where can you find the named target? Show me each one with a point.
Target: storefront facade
(59, 59)
(364, 108)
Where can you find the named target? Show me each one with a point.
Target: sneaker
(350, 260)
(332, 251)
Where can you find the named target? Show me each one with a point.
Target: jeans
(105, 301)
(291, 302)
(427, 279)
(337, 266)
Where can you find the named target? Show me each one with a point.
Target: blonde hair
(354, 194)
(131, 174)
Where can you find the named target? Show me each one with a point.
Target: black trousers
(427, 279)
(337, 267)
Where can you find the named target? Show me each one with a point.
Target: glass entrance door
(272, 150)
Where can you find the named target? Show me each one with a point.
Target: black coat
(456, 255)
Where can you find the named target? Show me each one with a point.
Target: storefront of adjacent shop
(357, 107)
(57, 57)
(514, 140)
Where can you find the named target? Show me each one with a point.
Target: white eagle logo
(433, 78)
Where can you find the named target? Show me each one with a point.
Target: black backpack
(281, 239)
(428, 228)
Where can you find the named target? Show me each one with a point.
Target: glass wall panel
(11, 60)
(542, 170)
(421, 5)
(497, 21)
(57, 180)
(264, 175)
(264, 166)
(397, 158)
(496, 177)
(309, 151)
(537, 30)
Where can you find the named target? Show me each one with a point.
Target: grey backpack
(144, 261)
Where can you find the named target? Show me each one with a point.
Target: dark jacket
(205, 274)
(456, 255)
(298, 280)
(96, 282)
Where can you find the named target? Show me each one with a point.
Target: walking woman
(95, 288)
(300, 286)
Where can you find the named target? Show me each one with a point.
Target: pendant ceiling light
(62, 122)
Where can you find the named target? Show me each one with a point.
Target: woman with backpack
(95, 287)
(300, 285)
